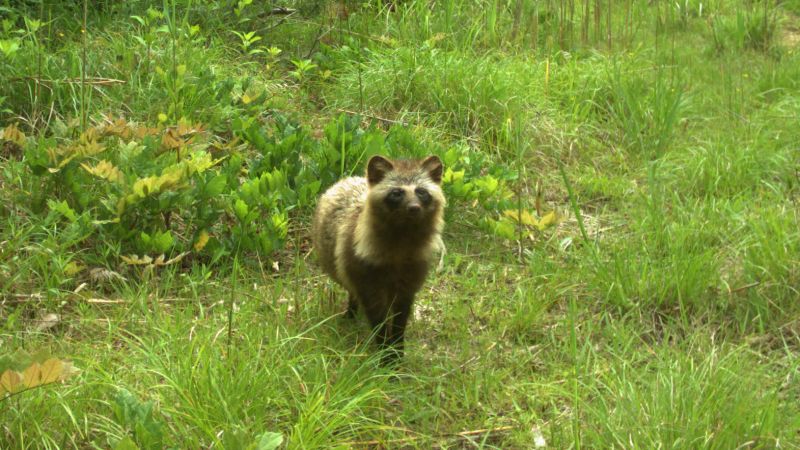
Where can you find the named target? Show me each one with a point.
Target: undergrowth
(622, 223)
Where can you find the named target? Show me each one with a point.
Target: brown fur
(378, 248)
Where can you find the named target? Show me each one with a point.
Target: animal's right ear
(377, 168)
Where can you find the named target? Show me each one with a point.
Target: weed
(621, 265)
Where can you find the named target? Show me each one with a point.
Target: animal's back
(339, 207)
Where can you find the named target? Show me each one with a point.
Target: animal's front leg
(400, 310)
(377, 310)
(352, 306)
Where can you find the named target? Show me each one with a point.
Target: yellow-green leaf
(503, 228)
(525, 218)
(548, 220)
(62, 208)
(202, 240)
(40, 370)
(51, 370)
(241, 209)
(451, 176)
(135, 260)
(32, 375)
(89, 148)
(73, 268)
(10, 382)
(105, 170)
(114, 220)
(12, 134)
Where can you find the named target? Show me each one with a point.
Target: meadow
(623, 232)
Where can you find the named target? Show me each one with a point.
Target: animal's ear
(433, 165)
(377, 168)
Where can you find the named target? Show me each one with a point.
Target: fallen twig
(371, 116)
(278, 11)
(103, 301)
(405, 124)
(743, 288)
(461, 434)
(95, 81)
(471, 360)
(283, 19)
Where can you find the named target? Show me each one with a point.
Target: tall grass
(695, 400)
(471, 96)
(660, 312)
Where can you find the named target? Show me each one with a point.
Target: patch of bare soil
(790, 34)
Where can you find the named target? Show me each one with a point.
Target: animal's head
(406, 191)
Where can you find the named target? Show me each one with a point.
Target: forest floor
(658, 309)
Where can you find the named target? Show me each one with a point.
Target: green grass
(670, 320)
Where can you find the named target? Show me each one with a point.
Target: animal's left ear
(433, 165)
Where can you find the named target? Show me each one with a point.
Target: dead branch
(462, 435)
(98, 81)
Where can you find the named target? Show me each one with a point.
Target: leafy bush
(140, 420)
(175, 191)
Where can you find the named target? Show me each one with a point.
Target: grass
(661, 311)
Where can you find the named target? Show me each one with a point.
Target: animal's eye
(396, 194)
(423, 194)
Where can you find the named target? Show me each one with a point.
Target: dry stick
(766, 25)
(471, 360)
(12, 394)
(103, 301)
(658, 22)
(232, 298)
(742, 288)
(571, 23)
(628, 28)
(585, 23)
(37, 91)
(22, 298)
(561, 15)
(672, 55)
(360, 80)
(84, 110)
(461, 434)
(535, 30)
(597, 12)
(608, 24)
(278, 11)
(520, 183)
(320, 34)
(93, 80)
(575, 207)
(379, 39)
(278, 23)
(172, 32)
(574, 353)
(517, 18)
(400, 122)
(447, 13)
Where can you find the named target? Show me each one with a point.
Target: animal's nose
(414, 208)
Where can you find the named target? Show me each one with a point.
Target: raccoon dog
(374, 235)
